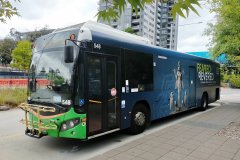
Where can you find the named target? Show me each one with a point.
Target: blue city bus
(100, 80)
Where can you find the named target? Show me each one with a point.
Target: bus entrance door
(103, 93)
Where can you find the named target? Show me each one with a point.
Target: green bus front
(57, 104)
(50, 109)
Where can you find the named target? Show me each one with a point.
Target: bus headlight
(70, 124)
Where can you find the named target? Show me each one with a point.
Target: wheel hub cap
(140, 119)
(205, 103)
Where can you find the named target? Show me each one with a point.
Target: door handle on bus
(94, 101)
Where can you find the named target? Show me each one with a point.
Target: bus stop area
(193, 135)
(213, 135)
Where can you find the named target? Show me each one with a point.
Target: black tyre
(204, 102)
(139, 119)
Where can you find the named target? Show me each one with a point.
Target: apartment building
(154, 22)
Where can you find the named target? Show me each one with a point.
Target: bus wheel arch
(140, 117)
(204, 101)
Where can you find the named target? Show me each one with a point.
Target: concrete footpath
(212, 135)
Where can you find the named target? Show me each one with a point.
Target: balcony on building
(136, 28)
(164, 5)
(136, 21)
(114, 23)
(164, 21)
(164, 16)
(163, 38)
(163, 45)
(164, 32)
(168, 37)
(134, 16)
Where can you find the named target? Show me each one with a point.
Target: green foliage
(226, 78)
(182, 7)
(235, 81)
(114, 8)
(7, 10)
(6, 47)
(21, 55)
(225, 33)
(129, 30)
(13, 96)
(58, 80)
(55, 78)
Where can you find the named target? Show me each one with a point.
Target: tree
(21, 55)
(114, 8)
(129, 30)
(32, 36)
(16, 35)
(6, 47)
(7, 10)
(225, 33)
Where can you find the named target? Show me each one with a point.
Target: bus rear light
(70, 124)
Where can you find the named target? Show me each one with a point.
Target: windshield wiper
(59, 106)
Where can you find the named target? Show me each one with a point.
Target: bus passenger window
(139, 71)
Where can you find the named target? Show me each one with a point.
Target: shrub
(235, 81)
(226, 78)
(12, 96)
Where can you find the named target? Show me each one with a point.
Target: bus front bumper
(38, 125)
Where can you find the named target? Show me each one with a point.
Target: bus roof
(107, 35)
(114, 33)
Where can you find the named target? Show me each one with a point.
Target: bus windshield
(50, 76)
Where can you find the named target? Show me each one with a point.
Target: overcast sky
(190, 30)
(61, 13)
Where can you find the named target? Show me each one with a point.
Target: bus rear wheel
(204, 102)
(139, 119)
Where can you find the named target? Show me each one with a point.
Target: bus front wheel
(139, 119)
(204, 102)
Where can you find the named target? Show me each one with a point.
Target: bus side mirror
(68, 54)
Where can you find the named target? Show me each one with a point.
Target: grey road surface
(15, 145)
